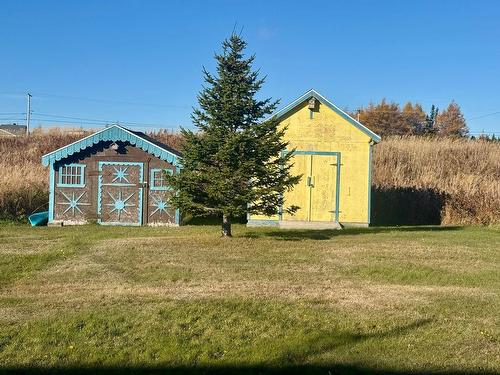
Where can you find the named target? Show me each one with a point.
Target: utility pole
(28, 115)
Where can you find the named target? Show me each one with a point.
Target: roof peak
(314, 93)
(115, 133)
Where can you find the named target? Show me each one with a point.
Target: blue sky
(140, 61)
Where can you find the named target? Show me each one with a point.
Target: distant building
(15, 130)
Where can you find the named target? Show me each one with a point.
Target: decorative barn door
(317, 194)
(120, 193)
(160, 212)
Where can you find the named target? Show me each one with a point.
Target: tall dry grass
(462, 175)
(23, 180)
(449, 181)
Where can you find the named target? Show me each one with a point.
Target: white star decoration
(121, 174)
(161, 206)
(119, 204)
(73, 203)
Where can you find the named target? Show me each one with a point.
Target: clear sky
(141, 61)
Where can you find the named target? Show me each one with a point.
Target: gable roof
(5, 133)
(14, 129)
(314, 94)
(116, 133)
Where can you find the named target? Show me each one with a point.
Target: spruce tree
(430, 121)
(235, 163)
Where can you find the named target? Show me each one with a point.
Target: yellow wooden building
(333, 154)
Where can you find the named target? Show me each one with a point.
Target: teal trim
(177, 211)
(141, 198)
(100, 185)
(51, 192)
(370, 183)
(152, 179)
(314, 94)
(330, 153)
(81, 174)
(114, 133)
(337, 189)
(99, 196)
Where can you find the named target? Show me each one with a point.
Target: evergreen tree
(235, 163)
(430, 121)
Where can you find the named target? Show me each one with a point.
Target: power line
(109, 100)
(71, 122)
(83, 119)
(481, 116)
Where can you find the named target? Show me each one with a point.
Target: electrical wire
(39, 94)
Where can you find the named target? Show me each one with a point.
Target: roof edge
(81, 144)
(313, 93)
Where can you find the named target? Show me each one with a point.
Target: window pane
(72, 175)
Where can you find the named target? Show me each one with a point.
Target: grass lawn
(96, 299)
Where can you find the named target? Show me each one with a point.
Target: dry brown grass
(23, 179)
(465, 173)
(461, 176)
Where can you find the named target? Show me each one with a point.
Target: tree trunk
(226, 226)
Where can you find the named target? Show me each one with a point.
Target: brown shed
(115, 176)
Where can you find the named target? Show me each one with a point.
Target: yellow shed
(333, 154)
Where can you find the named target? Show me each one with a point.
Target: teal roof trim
(314, 94)
(115, 133)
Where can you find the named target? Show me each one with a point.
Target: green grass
(147, 300)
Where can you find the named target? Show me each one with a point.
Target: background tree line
(387, 118)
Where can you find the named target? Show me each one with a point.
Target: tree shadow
(327, 341)
(291, 362)
(327, 234)
(332, 369)
(406, 206)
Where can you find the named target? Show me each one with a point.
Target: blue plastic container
(39, 219)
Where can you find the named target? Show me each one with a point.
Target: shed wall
(325, 130)
(88, 195)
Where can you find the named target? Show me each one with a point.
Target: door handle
(310, 181)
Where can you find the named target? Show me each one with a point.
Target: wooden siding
(98, 161)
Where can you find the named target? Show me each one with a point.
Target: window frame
(81, 174)
(152, 179)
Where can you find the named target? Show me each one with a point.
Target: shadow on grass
(326, 234)
(291, 362)
(325, 342)
(334, 369)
